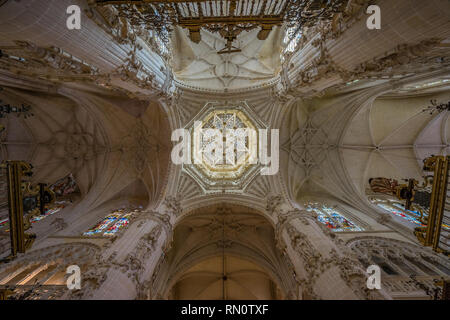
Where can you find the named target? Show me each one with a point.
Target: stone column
(325, 268)
(126, 267)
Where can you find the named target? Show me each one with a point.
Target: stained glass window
(102, 225)
(55, 208)
(413, 218)
(110, 225)
(4, 224)
(397, 209)
(122, 222)
(333, 219)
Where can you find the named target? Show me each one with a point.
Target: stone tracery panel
(407, 270)
(40, 274)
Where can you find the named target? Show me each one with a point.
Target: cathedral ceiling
(61, 138)
(353, 137)
(201, 66)
(345, 101)
(209, 233)
(94, 138)
(392, 137)
(244, 280)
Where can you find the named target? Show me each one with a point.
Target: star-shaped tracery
(234, 140)
(224, 146)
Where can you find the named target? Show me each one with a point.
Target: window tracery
(223, 146)
(398, 258)
(234, 160)
(112, 223)
(332, 218)
(63, 188)
(417, 216)
(49, 210)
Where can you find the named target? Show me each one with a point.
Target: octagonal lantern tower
(237, 163)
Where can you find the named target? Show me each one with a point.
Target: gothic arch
(230, 230)
(260, 271)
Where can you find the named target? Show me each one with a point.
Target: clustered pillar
(325, 268)
(128, 264)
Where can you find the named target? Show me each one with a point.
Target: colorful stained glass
(122, 222)
(412, 216)
(102, 225)
(4, 223)
(58, 206)
(333, 220)
(114, 222)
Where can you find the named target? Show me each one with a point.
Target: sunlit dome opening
(224, 149)
(231, 157)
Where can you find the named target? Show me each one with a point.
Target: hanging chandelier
(226, 17)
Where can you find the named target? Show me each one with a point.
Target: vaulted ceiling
(225, 240)
(244, 281)
(201, 66)
(392, 137)
(97, 138)
(348, 101)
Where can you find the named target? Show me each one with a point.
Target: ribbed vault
(392, 136)
(244, 281)
(61, 138)
(226, 240)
